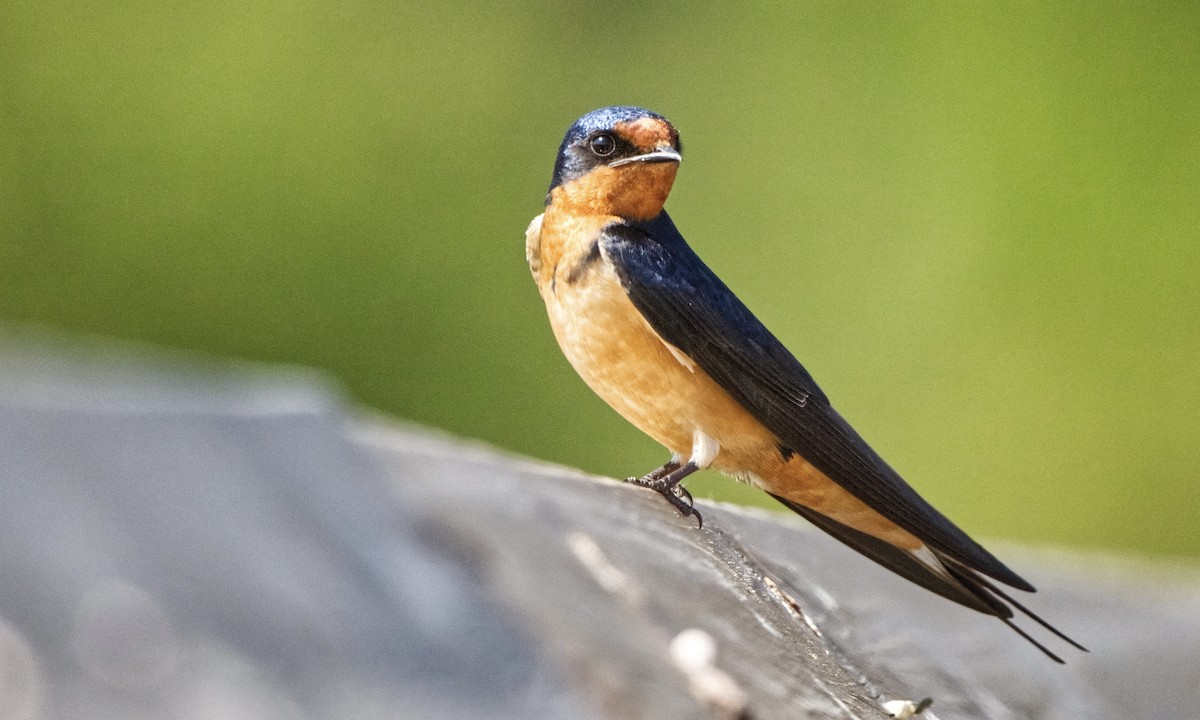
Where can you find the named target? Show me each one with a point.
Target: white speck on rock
(694, 652)
(904, 709)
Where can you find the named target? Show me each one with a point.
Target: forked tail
(960, 583)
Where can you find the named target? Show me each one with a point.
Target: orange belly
(622, 359)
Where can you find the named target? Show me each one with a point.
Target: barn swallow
(656, 334)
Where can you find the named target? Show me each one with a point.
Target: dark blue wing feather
(689, 307)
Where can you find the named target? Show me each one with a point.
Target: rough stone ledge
(200, 540)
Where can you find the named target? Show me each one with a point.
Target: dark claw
(665, 482)
(683, 506)
(682, 493)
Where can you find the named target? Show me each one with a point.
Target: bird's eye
(603, 145)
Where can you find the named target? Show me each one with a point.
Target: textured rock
(192, 540)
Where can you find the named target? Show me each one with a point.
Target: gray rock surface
(187, 539)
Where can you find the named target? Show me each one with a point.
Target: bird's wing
(690, 308)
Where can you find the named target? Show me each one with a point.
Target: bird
(659, 337)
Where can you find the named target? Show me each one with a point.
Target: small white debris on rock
(904, 709)
(606, 575)
(694, 652)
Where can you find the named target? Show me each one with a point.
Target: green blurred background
(975, 223)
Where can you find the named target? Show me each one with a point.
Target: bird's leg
(645, 480)
(665, 481)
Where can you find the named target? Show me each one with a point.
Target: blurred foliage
(977, 224)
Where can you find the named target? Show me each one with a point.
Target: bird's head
(617, 160)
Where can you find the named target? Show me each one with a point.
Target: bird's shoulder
(694, 310)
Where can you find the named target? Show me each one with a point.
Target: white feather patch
(533, 243)
(704, 448)
(683, 359)
(927, 558)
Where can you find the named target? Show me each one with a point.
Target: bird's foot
(653, 476)
(665, 482)
(682, 500)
